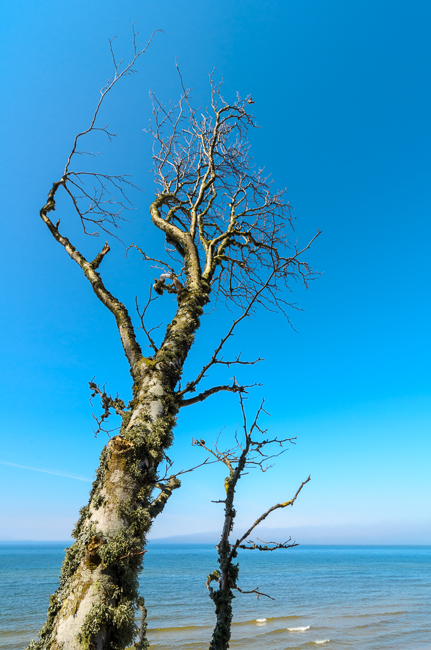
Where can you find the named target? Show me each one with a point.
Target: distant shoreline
(174, 541)
(307, 535)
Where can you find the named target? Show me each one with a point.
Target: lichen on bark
(95, 604)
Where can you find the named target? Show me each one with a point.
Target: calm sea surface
(369, 598)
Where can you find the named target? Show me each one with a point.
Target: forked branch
(107, 88)
(256, 592)
(234, 388)
(262, 518)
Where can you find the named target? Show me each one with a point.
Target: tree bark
(228, 574)
(94, 607)
(222, 598)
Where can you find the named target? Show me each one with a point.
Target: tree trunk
(94, 607)
(228, 574)
(222, 598)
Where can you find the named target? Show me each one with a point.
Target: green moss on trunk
(94, 607)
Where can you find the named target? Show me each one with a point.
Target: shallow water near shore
(332, 597)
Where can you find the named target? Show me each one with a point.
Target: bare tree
(249, 452)
(227, 239)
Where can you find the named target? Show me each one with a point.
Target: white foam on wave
(298, 629)
(261, 620)
(322, 642)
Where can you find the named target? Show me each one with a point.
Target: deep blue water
(368, 598)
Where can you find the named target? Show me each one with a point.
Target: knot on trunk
(119, 445)
(92, 557)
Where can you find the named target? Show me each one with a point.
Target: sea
(335, 597)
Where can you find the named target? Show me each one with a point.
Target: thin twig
(131, 553)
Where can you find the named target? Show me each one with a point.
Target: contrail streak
(47, 471)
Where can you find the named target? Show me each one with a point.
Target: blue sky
(342, 95)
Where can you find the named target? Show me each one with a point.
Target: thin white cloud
(48, 471)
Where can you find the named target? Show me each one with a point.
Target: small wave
(274, 619)
(367, 625)
(261, 620)
(298, 629)
(373, 614)
(182, 628)
(322, 641)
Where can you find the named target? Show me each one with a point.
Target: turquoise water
(369, 598)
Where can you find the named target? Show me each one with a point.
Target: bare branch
(146, 258)
(141, 317)
(108, 403)
(191, 385)
(166, 489)
(103, 208)
(211, 391)
(167, 486)
(98, 259)
(124, 323)
(183, 471)
(254, 591)
(132, 553)
(239, 361)
(107, 88)
(265, 514)
(274, 545)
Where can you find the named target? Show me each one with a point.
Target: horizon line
(159, 540)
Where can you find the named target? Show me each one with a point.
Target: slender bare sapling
(253, 450)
